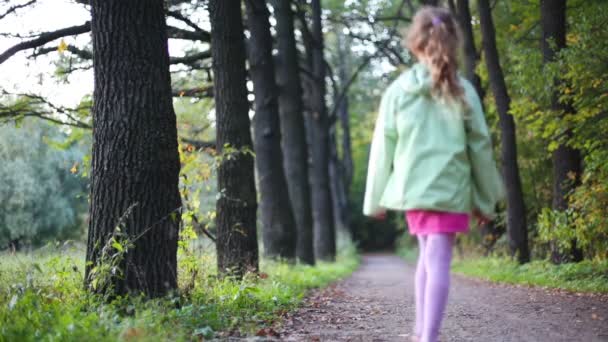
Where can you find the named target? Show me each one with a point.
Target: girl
(431, 156)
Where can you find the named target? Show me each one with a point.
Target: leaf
(62, 46)
(13, 302)
(117, 246)
(37, 267)
(206, 332)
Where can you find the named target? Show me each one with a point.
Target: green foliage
(586, 276)
(39, 199)
(42, 299)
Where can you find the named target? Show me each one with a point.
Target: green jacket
(429, 154)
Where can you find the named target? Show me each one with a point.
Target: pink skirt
(423, 222)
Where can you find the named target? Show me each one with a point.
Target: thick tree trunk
(237, 248)
(324, 230)
(516, 212)
(470, 51)
(279, 229)
(135, 166)
(566, 160)
(295, 150)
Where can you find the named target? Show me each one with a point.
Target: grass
(586, 276)
(42, 299)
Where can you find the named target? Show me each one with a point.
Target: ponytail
(435, 37)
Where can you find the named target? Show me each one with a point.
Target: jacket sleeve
(381, 155)
(488, 188)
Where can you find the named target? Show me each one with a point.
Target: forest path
(377, 304)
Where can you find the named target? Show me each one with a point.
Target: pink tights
(432, 283)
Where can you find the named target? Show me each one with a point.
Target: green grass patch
(586, 276)
(42, 299)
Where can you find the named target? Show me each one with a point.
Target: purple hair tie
(436, 21)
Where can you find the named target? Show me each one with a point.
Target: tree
(39, 199)
(135, 162)
(516, 213)
(566, 160)
(324, 231)
(237, 248)
(470, 51)
(293, 131)
(278, 226)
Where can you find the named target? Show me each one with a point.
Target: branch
(194, 92)
(45, 38)
(365, 62)
(8, 112)
(199, 144)
(84, 54)
(177, 33)
(189, 59)
(5, 113)
(16, 7)
(195, 220)
(177, 15)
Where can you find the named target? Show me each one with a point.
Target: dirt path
(377, 304)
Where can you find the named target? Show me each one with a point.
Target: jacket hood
(416, 80)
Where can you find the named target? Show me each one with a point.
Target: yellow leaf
(74, 168)
(62, 46)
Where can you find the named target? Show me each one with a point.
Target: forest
(195, 169)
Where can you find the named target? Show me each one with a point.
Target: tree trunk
(516, 212)
(324, 231)
(135, 165)
(470, 51)
(278, 231)
(237, 248)
(343, 115)
(295, 150)
(566, 160)
(338, 191)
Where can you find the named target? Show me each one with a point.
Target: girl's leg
(420, 286)
(437, 259)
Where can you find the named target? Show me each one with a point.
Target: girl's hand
(380, 216)
(481, 219)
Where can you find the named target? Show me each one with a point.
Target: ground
(377, 304)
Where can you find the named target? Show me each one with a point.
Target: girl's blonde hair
(434, 37)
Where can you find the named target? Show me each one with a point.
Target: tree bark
(295, 150)
(470, 51)
(135, 165)
(343, 114)
(516, 212)
(324, 230)
(430, 2)
(237, 248)
(566, 160)
(338, 191)
(278, 225)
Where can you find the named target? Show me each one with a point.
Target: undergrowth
(42, 299)
(585, 276)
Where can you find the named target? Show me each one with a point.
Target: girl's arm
(381, 155)
(488, 186)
